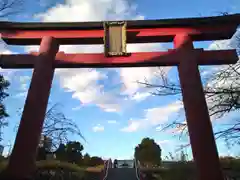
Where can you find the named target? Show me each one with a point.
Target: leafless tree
(222, 92)
(58, 127)
(10, 7)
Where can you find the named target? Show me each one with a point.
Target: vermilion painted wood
(147, 35)
(23, 157)
(184, 56)
(226, 20)
(200, 130)
(143, 59)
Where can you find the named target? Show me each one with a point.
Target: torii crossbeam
(115, 35)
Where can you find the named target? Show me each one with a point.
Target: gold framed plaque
(115, 38)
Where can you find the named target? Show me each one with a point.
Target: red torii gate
(115, 35)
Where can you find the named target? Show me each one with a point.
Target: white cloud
(98, 128)
(159, 128)
(75, 80)
(76, 108)
(177, 129)
(112, 122)
(9, 73)
(154, 117)
(163, 142)
(90, 10)
(161, 115)
(24, 81)
(21, 95)
(217, 45)
(224, 81)
(172, 130)
(83, 83)
(133, 126)
(86, 85)
(220, 44)
(3, 51)
(131, 76)
(140, 96)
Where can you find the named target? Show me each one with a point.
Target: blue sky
(113, 112)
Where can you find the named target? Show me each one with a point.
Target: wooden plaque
(115, 38)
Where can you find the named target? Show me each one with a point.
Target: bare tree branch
(58, 127)
(10, 7)
(222, 92)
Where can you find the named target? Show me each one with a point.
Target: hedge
(47, 166)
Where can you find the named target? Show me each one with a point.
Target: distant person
(115, 163)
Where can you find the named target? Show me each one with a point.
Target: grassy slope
(185, 170)
(80, 172)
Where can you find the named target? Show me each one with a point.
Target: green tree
(4, 84)
(86, 159)
(148, 152)
(96, 161)
(183, 156)
(73, 150)
(46, 143)
(41, 154)
(61, 152)
(44, 148)
(74, 146)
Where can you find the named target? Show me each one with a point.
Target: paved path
(122, 174)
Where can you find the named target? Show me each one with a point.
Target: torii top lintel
(140, 31)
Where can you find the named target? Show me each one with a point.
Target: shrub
(54, 170)
(177, 170)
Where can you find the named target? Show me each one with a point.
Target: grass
(98, 168)
(58, 164)
(185, 171)
(55, 165)
(55, 169)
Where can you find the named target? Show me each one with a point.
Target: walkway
(122, 174)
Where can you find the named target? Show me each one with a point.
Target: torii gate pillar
(23, 157)
(199, 125)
